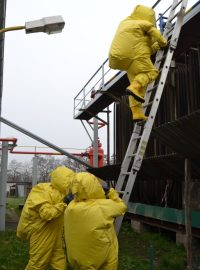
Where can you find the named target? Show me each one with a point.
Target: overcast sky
(43, 73)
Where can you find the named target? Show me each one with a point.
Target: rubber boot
(135, 89)
(137, 113)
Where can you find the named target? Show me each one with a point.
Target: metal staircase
(142, 130)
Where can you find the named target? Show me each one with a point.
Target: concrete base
(138, 226)
(181, 239)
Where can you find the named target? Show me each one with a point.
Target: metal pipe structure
(187, 199)
(14, 140)
(39, 139)
(108, 136)
(43, 153)
(34, 171)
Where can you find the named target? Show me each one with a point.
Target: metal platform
(107, 86)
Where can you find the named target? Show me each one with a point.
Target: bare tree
(26, 173)
(14, 171)
(72, 164)
(45, 166)
(23, 171)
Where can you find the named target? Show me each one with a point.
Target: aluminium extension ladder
(141, 132)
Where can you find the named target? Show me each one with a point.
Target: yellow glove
(113, 195)
(61, 206)
(155, 47)
(48, 211)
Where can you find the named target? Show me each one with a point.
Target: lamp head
(49, 25)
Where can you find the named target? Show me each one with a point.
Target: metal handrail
(82, 98)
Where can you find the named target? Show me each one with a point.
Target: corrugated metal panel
(182, 135)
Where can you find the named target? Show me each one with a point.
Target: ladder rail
(172, 44)
(129, 151)
(154, 108)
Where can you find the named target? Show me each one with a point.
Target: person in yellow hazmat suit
(41, 221)
(90, 236)
(136, 39)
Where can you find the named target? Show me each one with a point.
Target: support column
(108, 136)
(138, 226)
(3, 181)
(95, 142)
(188, 215)
(35, 171)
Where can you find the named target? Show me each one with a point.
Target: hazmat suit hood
(86, 186)
(143, 13)
(61, 179)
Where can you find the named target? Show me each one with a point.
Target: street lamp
(48, 25)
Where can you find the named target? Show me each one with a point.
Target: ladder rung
(170, 42)
(169, 31)
(132, 155)
(163, 57)
(160, 70)
(120, 192)
(136, 138)
(171, 45)
(147, 105)
(175, 15)
(126, 173)
(151, 89)
(141, 123)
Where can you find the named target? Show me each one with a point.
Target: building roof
(182, 135)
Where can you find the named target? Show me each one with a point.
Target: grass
(13, 202)
(149, 251)
(134, 252)
(146, 251)
(12, 207)
(13, 253)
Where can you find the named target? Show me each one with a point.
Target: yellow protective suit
(135, 40)
(41, 221)
(88, 224)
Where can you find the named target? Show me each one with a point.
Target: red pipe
(41, 153)
(14, 140)
(8, 140)
(99, 124)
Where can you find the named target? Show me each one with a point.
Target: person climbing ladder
(136, 39)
